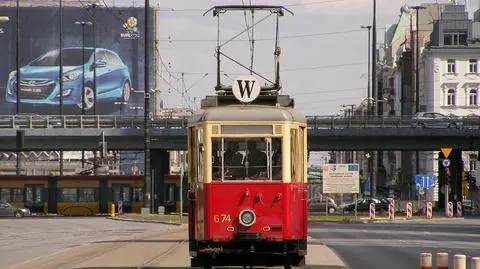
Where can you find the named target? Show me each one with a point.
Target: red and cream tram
(248, 183)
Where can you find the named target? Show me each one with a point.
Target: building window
(455, 38)
(472, 67)
(472, 97)
(451, 97)
(451, 66)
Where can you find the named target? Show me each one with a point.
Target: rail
(136, 122)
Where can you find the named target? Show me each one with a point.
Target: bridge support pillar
(160, 164)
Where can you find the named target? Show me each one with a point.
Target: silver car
(8, 210)
(434, 120)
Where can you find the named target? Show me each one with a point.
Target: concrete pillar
(160, 163)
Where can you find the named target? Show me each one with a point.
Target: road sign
(446, 151)
(424, 182)
(341, 178)
(446, 162)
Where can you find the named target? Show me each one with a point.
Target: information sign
(341, 178)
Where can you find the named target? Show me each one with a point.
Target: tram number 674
(222, 218)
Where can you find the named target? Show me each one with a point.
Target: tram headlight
(247, 217)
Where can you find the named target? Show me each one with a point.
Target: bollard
(112, 210)
(391, 211)
(475, 263)
(372, 211)
(409, 210)
(459, 209)
(425, 260)
(450, 210)
(429, 210)
(442, 260)
(459, 261)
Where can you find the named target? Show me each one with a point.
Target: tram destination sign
(246, 89)
(341, 178)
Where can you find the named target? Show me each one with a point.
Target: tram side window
(17, 195)
(5, 195)
(87, 195)
(251, 158)
(294, 155)
(68, 195)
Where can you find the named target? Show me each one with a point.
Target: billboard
(118, 62)
(341, 178)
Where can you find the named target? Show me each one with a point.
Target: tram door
(124, 193)
(34, 197)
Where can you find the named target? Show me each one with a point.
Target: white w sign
(246, 89)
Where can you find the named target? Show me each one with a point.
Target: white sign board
(246, 89)
(341, 178)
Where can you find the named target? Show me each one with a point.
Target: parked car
(318, 205)
(434, 120)
(363, 205)
(8, 210)
(40, 83)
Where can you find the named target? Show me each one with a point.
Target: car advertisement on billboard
(100, 52)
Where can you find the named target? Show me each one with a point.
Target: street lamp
(83, 23)
(368, 67)
(93, 6)
(374, 54)
(18, 60)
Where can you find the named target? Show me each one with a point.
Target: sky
(323, 49)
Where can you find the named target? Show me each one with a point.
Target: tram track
(163, 254)
(72, 257)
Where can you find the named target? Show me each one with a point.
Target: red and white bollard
(429, 210)
(391, 211)
(372, 210)
(459, 261)
(475, 263)
(459, 209)
(409, 210)
(425, 260)
(442, 260)
(450, 210)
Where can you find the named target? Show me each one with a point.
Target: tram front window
(246, 159)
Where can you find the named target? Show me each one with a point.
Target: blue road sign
(446, 162)
(424, 182)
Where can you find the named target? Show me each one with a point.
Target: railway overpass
(76, 132)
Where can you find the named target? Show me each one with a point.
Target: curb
(146, 221)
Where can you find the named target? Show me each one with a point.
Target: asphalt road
(28, 238)
(397, 246)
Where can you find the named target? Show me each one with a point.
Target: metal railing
(137, 122)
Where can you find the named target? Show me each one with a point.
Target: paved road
(397, 246)
(28, 238)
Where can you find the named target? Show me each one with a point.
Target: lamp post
(374, 55)
(369, 27)
(417, 82)
(18, 57)
(83, 23)
(93, 6)
(149, 201)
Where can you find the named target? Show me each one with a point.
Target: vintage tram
(248, 182)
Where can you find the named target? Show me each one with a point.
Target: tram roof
(247, 113)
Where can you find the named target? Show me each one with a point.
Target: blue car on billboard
(39, 80)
